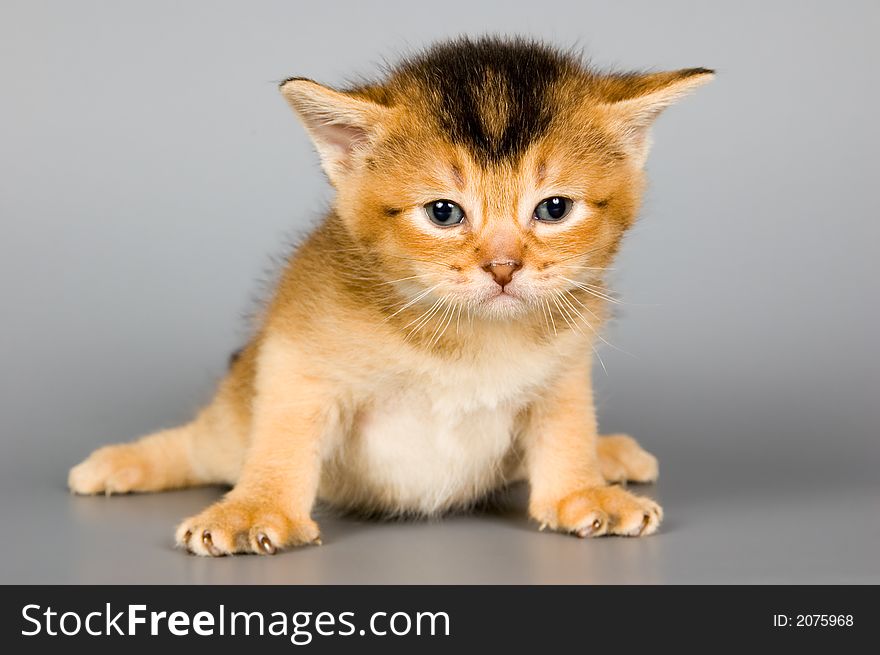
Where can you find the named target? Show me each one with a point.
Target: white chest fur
(434, 436)
(424, 456)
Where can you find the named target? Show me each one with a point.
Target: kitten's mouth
(497, 301)
(502, 298)
(502, 305)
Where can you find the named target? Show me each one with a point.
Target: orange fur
(403, 367)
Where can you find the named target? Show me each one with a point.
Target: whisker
(599, 292)
(445, 323)
(426, 317)
(570, 306)
(599, 357)
(374, 256)
(417, 321)
(421, 261)
(403, 279)
(564, 318)
(569, 319)
(413, 301)
(578, 301)
(579, 254)
(550, 314)
(544, 316)
(596, 332)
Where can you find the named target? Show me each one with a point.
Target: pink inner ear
(341, 137)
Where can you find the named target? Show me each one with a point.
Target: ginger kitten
(431, 340)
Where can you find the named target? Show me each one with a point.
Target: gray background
(149, 169)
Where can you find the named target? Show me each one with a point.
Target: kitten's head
(497, 174)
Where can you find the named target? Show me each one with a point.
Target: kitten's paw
(622, 459)
(598, 511)
(242, 526)
(112, 469)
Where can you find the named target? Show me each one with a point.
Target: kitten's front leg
(568, 490)
(270, 506)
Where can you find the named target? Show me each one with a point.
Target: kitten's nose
(502, 271)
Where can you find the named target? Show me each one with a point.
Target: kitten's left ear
(634, 101)
(339, 123)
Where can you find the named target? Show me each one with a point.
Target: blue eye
(444, 213)
(553, 209)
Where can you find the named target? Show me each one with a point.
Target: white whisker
(403, 279)
(444, 322)
(569, 319)
(599, 292)
(425, 316)
(413, 301)
(550, 314)
(589, 325)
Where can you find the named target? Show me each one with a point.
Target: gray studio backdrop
(149, 171)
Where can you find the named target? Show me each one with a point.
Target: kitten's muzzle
(502, 271)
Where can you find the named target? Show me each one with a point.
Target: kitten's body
(405, 367)
(433, 432)
(412, 430)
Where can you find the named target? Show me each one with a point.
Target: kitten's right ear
(338, 123)
(636, 100)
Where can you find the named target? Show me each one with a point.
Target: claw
(265, 544)
(209, 544)
(317, 541)
(587, 532)
(542, 527)
(186, 537)
(646, 519)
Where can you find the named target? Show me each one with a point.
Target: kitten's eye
(444, 213)
(553, 209)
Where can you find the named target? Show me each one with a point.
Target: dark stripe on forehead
(490, 96)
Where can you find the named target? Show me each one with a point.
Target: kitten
(431, 340)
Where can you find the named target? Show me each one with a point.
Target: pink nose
(502, 271)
